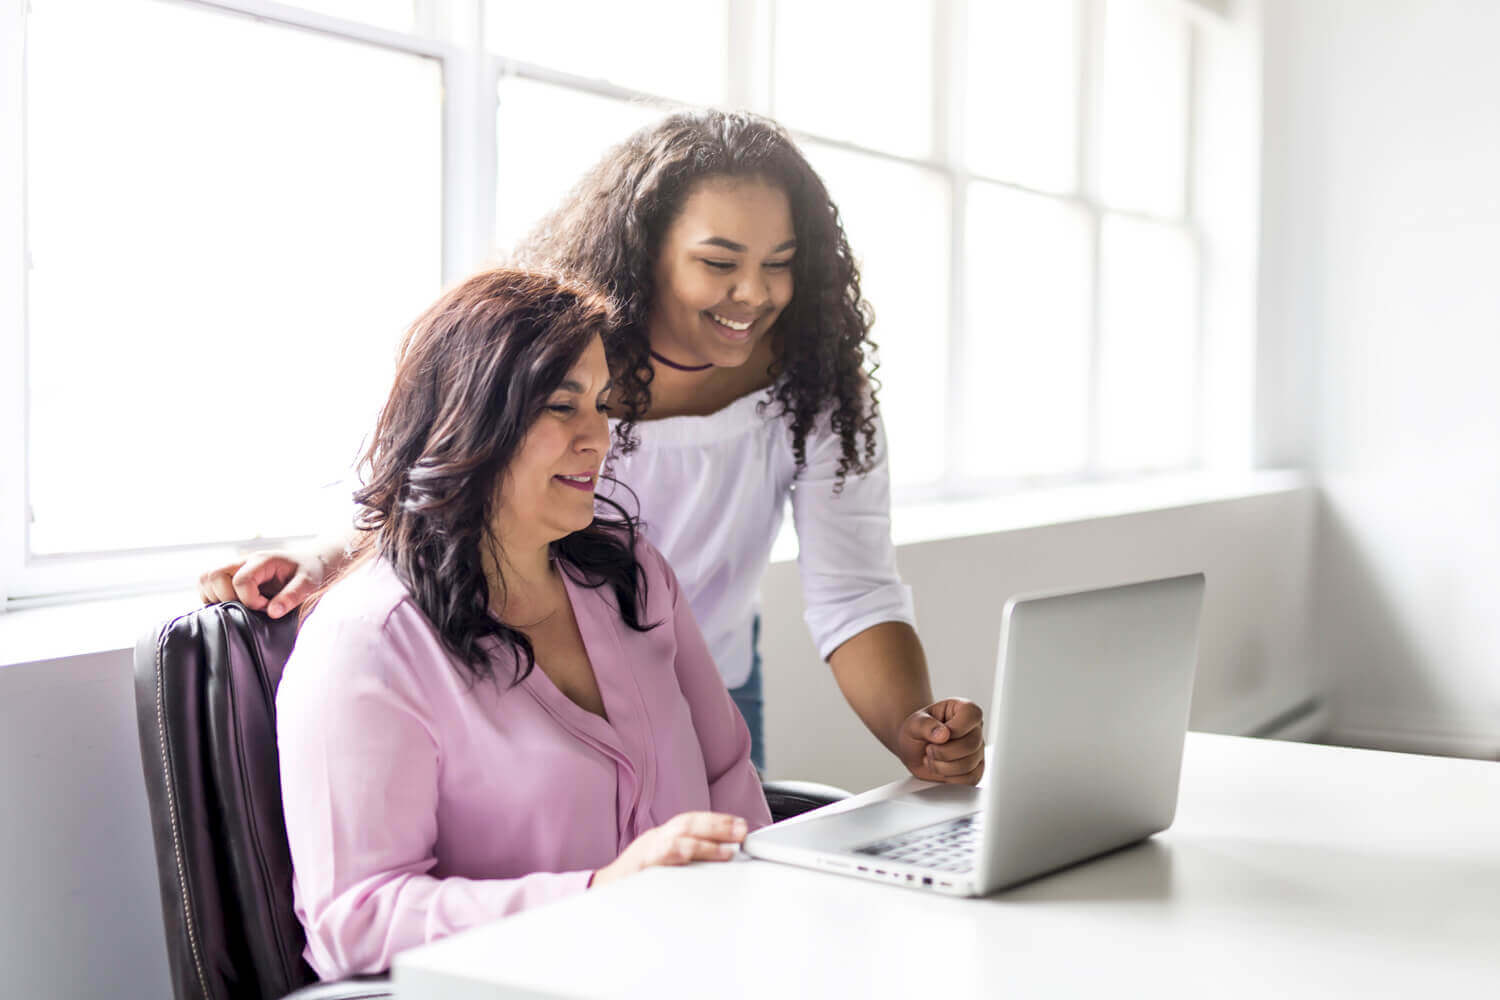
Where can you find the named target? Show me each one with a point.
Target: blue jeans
(747, 698)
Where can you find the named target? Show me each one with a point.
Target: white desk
(1291, 870)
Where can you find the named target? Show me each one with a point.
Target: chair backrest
(206, 704)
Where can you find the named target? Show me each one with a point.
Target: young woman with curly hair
(741, 382)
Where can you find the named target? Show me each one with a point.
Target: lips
(739, 326)
(584, 482)
(730, 328)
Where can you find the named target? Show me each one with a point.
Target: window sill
(913, 524)
(106, 626)
(87, 627)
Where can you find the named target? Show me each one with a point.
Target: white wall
(80, 916)
(1380, 306)
(1253, 664)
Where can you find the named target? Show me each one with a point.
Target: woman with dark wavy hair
(741, 382)
(503, 698)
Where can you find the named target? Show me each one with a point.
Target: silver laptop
(1085, 736)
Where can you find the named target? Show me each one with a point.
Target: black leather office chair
(205, 688)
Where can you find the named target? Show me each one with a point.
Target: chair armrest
(354, 988)
(793, 798)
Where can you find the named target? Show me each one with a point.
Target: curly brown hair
(610, 229)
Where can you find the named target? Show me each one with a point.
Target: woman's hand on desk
(686, 837)
(944, 742)
(275, 582)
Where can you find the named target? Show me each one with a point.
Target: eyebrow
(573, 385)
(719, 241)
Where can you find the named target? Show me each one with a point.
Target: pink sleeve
(359, 773)
(733, 782)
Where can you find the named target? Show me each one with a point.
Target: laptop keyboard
(945, 847)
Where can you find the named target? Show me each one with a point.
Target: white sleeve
(845, 554)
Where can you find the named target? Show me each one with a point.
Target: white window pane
(858, 73)
(1022, 97)
(548, 138)
(671, 48)
(896, 219)
(1143, 144)
(1025, 378)
(220, 271)
(396, 15)
(1148, 345)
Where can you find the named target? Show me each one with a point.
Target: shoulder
(366, 660)
(363, 602)
(610, 551)
(652, 562)
(738, 422)
(366, 624)
(661, 589)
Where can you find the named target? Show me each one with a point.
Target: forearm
(882, 672)
(362, 930)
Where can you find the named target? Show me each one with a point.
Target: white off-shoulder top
(712, 493)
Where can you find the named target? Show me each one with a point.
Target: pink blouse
(418, 805)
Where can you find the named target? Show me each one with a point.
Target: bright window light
(1022, 92)
(394, 15)
(1148, 346)
(229, 218)
(548, 138)
(858, 72)
(1026, 352)
(230, 223)
(669, 48)
(1143, 142)
(896, 219)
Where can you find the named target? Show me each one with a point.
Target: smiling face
(723, 273)
(547, 491)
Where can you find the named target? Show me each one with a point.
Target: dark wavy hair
(473, 373)
(610, 229)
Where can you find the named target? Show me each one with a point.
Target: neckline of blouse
(737, 418)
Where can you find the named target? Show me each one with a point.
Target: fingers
(958, 766)
(217, 586)
(251, 580)
(954, 750)
(291, 596)
(944, 720)
(710, 826)
(698, 836)
(960, 715)
(247, 581)
(924, 728)
(958, 749)
(967, 777)
(685, 850)
(275, 581)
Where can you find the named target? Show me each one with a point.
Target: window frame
(452, 33)
(949, 124)
(439, 33)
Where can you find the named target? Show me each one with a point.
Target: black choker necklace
(681, 368)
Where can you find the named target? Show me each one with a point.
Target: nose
(752, 291)
(594, 434)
